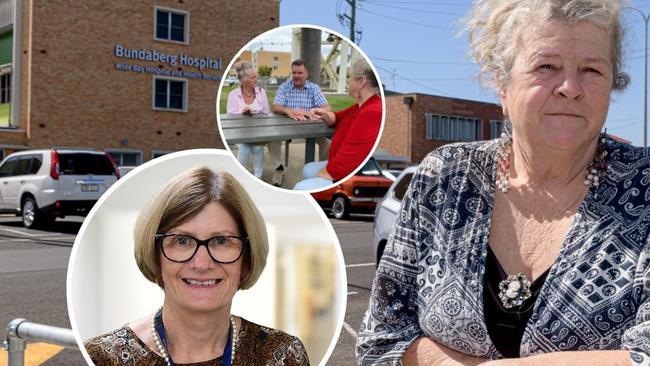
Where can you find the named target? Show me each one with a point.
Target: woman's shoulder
(625, 153)
(272, 346)
(460, 153)
(235, 92)
(120, 346)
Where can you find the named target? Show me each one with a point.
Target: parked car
(231, 80)
(360, 193)
(125, 169)
(41, 185)
(391, 173)
(387, 210)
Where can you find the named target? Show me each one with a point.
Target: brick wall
(394, 139)
(74, 96)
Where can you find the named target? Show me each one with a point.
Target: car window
(80, 164)
(22, 167)
(371, 168)
(402, 186)
(7, 168)
(37, 161)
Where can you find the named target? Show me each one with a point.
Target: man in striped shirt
(295, 98)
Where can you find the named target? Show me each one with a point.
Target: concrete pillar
(310, 52)
(343, 68)
(295, 43)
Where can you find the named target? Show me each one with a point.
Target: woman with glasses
(248, 99)
(201, 240)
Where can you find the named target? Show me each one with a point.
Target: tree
(264, 70)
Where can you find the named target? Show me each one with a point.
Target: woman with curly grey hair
(531, 249)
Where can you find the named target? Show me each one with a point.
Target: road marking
(350, 330)
(35, 354)
(360, 265)
(23, 232)
(352, 293)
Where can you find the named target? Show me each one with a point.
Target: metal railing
(20, 332)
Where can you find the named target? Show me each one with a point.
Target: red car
(360, 193)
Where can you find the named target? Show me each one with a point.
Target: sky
(415, 46)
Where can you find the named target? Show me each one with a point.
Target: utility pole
(352, 17)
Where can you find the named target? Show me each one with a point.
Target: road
(355, 236)
(32, 281)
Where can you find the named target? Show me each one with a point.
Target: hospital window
(170, 94)
(5, 88)
(453, 128)
(157, 154)
(126, 158)
(172, 25)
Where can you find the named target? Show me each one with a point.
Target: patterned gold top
(257, 345)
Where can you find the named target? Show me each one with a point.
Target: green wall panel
(6, 46)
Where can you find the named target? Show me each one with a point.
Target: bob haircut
(182, 199)
(496, 26)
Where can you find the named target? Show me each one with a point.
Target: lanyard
(226, 358)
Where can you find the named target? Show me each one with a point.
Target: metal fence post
(15, 345)
(20, 331)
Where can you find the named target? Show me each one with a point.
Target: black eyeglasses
(181, 248)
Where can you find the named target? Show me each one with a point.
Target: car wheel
(32, 216)
(340, 208)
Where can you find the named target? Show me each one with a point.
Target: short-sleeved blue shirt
(308, 97)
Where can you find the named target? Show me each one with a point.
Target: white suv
(387, 211)
(45, 184)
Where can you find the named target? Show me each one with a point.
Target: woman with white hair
(248, 99)
(356, 130)
(531, 249)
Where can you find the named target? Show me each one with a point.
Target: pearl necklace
(163, 351)
(595, 171)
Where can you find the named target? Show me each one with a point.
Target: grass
(336, 101)
(4, 115)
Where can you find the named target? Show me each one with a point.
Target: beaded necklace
(514, 290)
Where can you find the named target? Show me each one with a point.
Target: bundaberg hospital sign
(174, 60)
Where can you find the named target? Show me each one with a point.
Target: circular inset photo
(301, 107)
(188, 259)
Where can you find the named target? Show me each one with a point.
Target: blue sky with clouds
(414, 44)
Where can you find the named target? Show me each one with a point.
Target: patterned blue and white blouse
(430, 280)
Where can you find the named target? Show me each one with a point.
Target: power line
(625, 119)
(617, 127)
(435, 79)
(420, 3)
(415, 10)
(414, 81)
(419, 62)
(402, 20)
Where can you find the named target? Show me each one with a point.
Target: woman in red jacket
(357, 128)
